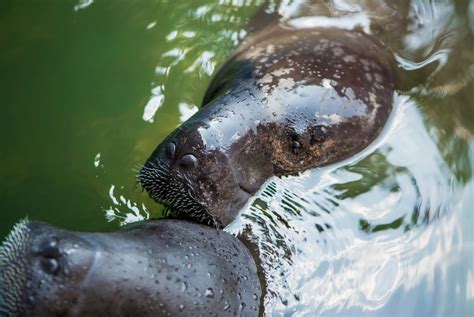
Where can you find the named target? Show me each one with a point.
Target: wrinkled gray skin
(156, 268)
(288, 100)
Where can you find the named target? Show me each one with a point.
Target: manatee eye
(170, 150)
(188, 161)
(295, 146)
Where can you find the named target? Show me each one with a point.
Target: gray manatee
(154, 268)
(286, 101)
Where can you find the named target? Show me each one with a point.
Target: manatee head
(41, 269)
(154, 268)
(193, 172)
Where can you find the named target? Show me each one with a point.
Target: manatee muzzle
(14, 269)
(173, 189)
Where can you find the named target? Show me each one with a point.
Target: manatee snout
(155, 268)
(40, 268)
(287, 100)
(195, 178)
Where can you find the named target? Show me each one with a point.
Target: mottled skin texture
(288, 100)
(156, 268)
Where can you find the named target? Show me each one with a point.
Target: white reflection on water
(347, 237)
(152, 106)
(348, 22)
(83, 4)
(124, 210)
(186, 111)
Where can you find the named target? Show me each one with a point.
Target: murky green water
(89, 88)
(75, 84)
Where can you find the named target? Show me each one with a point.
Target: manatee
(155, 268)
(286, 101)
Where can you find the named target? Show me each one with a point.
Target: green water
(74, 83)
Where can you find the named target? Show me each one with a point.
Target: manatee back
(318, 95)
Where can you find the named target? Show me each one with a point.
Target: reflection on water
(125, 210)
(195, 55)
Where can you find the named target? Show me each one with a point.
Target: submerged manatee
(156, 268)
(288, 100)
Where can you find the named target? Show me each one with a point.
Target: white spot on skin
(350, 93)
(326, 83)
(349, 59)
(335, 118)
(286, 83)
(337, 51)
(378, 77)
(268, 78)
(254, 53)
(373, 100)
(329, 119)
(270, 49)
(281, 71)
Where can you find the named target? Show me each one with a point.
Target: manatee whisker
(13, 269)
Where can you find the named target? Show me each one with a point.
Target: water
(89, 88)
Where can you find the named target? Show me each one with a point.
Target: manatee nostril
(170, 150)
(188, 161)
(50, 265)
(295, 147)
(50, 252)
(50, 256)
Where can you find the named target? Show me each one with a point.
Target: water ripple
(348, 236)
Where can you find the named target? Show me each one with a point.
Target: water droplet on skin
(227, 306)
(209, 293)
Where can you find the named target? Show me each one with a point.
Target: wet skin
(288, 100)
(155, 268)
